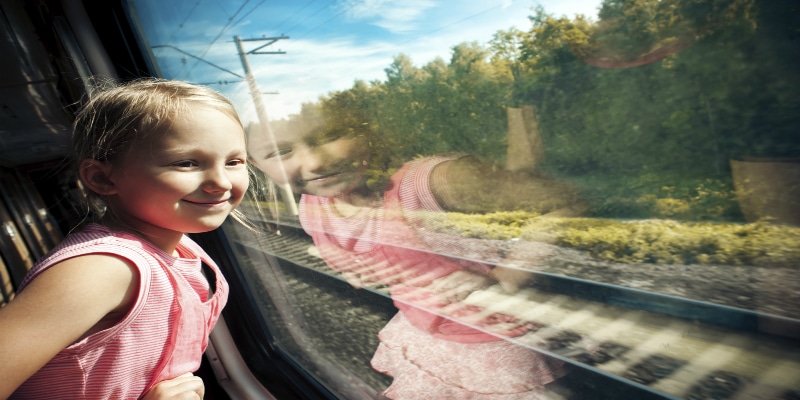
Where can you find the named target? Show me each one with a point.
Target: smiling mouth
(207, 203)
(321, 178)
(303, 182)
(331, 172)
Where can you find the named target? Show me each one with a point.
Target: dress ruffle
(424, 367)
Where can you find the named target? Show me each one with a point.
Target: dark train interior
(274, 340)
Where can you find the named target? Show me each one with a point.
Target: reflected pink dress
(429, 354)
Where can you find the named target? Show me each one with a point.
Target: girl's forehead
(193, 127)
(299, 130)
(286, 136)
(260, 138)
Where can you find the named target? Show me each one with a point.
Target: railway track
(650, 345)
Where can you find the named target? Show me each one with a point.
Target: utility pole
(261, 112)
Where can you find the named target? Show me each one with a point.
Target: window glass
(553, 199)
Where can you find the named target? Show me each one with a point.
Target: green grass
(647, 241)
(660, 196)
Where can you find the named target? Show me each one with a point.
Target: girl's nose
(309, 158)
(217, 179)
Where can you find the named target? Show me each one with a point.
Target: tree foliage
(666, 88)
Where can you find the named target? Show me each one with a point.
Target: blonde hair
(118, 116)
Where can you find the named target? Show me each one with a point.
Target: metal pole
(263, 122)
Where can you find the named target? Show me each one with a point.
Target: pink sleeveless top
(163, 336)
(383, 245)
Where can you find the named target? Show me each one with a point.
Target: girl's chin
(342, 188)
(327, 192)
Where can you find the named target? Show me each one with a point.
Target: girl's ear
(96, 175)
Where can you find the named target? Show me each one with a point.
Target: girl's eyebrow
(186, 149)
(278, 144)
(263, 148)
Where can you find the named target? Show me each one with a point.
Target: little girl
(122, 309)
(368, 229)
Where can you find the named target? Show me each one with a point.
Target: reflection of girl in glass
(365, 223)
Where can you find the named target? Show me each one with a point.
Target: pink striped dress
(163, 336)
(430, 355)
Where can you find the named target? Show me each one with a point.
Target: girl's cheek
(263, 166)
(275, 171)
(241, 182)
(244, 182)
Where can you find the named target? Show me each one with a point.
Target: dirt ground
(764, 289)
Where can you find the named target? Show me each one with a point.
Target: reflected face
(186, 180)
(324, 163)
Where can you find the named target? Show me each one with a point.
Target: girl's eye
(185, 164)
(327, 137)
(233, 163)
(279, 153)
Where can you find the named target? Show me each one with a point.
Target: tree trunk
(525, 149)
(768, 189)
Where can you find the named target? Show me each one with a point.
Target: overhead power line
(197, 58)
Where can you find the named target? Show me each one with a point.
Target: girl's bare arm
(469, 184)
(68, 301)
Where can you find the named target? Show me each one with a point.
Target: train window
(587, 199)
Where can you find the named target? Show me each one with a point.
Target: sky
(328, 44)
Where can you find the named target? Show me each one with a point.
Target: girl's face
(186, 180)
(318, 162)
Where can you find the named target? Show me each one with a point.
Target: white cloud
(570, 7)
(309, 70)
(396, 16)
(313, 67)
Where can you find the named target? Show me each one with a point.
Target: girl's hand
(511, 278)
(184, 387)
(459, 284)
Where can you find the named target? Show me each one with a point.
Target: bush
(651, 196)
(646, 241)
(499, 225)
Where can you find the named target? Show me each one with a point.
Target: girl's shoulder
(191, 249)
(97, 235)
(433, 160)
(93, 239)
(418, 182)
(96, 238)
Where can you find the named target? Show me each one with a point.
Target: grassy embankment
(639, 241)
